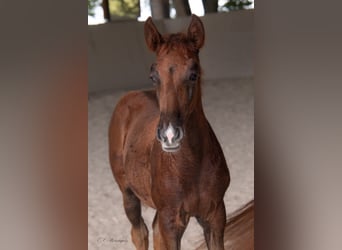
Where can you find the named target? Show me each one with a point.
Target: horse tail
(239, 230)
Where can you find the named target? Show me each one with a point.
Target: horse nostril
(178, 134)
(159, 137)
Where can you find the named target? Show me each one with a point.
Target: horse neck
(197, 116)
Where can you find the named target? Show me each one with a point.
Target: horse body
(164, 153)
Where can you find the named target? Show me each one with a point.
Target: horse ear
(152, 36)
(196, 31)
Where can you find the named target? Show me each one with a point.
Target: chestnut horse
(164, 153)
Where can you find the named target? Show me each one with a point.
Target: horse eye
(193, 77)
(154, 79)
(154, 76)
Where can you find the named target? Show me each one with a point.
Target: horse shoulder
(132, 103)
(127, 111)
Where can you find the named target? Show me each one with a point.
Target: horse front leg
(169, 226)
(158, 243)
(213, 227)
(139, 230)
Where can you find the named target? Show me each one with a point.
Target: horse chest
(175, 187)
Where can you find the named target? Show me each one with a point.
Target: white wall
(118, 57)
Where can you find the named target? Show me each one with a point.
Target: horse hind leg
(139, 230)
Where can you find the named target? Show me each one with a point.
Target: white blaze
(170, 133)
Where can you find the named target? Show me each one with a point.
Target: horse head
(176, 75)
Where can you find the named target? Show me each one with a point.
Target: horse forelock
(179, 42)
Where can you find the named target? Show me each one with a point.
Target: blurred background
(107, 10)
(118, 57)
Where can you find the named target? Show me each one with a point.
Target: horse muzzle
(170, 137)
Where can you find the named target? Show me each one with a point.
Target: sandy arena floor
(229, 107)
